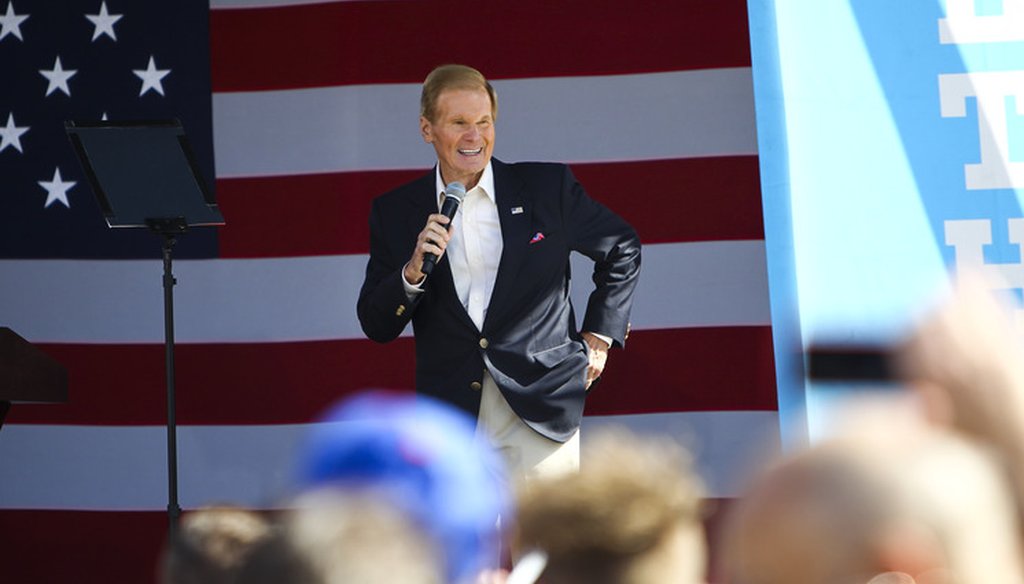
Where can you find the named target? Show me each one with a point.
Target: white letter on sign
(995, 171)
(969, 238)
(962, 25)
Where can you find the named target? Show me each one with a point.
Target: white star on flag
(11, 135)
(10, 23)
(151, 77)
(58, 78)
(57, 189)
(104, 22)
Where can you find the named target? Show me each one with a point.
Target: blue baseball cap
(421, 455)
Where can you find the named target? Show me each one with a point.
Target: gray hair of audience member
(211, 545)
(630, 516)
(341, 537)
(895, 501)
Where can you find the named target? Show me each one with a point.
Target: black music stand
(144, 174)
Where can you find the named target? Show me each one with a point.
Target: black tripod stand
(145, 175)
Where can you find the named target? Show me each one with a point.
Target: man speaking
(476, 255)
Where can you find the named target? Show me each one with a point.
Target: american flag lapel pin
(517, 210)
(537, 237)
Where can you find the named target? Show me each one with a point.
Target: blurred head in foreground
(420, 456)
(338, 537)
(630, 516)
(893, 502)
(211, 545)
(966, 358)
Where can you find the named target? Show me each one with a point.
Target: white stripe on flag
(124, 467)
(683, 114)
(720, 283)
(727, 447)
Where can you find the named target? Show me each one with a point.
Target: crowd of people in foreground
(923, 486)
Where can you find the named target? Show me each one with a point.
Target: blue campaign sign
(965, 138)
(891, 138)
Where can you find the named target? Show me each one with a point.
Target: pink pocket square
(537, 237)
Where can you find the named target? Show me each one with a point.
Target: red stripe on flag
(303, 215)
(347, 43)
(676, 200)
(108, 546)
(688, 370)
(80, 546)
(670, 370)
(244, 383)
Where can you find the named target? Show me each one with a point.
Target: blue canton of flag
(88, 60)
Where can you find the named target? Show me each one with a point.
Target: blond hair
(212, 544)
(448, 77)
(623, 519)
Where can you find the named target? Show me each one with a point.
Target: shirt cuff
(411, 290)
(607, 340)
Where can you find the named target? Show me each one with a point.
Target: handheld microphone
(453, 195)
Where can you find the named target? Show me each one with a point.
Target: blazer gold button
(475, 386)
(400, 310)
(483, 343)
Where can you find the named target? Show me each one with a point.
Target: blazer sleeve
(613, 244)
(383, 308)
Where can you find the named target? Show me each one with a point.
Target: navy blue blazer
(529, 342)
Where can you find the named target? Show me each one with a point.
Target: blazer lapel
(444, 286)
(424, 202)
(515, 234)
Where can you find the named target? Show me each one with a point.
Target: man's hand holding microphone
(432, 241)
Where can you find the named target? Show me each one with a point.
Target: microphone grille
(455, 189)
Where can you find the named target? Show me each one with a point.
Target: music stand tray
(143, 172)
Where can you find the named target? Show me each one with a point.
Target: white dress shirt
(474, 250)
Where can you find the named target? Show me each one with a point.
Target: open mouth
(465, 152)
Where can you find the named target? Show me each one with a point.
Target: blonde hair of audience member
(630, 516)
(895, 502)
(211, 545)
(344, 537)
(448, 77)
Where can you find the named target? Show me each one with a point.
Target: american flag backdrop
(301, 112)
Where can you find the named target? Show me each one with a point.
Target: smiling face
(462, 133)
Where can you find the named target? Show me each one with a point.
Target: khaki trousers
(526, 453)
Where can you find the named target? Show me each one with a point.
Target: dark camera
(859, 363)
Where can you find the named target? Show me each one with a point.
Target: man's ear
(426, 130)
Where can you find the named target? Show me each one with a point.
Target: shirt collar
(486, 184)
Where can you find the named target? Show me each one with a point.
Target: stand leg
(173, 510)
(5, 406)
